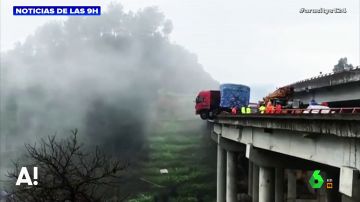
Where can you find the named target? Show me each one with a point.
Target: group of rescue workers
(262, 109)
(275, 108)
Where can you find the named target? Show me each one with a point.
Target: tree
(342, 65)
(66, 172)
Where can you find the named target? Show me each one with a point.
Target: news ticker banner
(57, 10)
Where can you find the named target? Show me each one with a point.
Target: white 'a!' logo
(24, 176)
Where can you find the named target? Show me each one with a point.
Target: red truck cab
(207, 104)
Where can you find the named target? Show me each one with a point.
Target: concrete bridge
(343, 87)
(282, 151)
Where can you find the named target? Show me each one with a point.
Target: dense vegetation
(190, 158)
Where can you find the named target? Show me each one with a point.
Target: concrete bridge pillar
(349, 184)
(255, 183)
(279, 185)
(250, 178)
(231, 194)
(266, 184)
(220, 186)
(291, 186)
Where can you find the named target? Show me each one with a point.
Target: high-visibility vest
(243, 110)
(262, 109)
(248, 110)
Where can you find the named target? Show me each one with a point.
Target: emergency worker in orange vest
(269, 108)
(278, 108)
(234, 111)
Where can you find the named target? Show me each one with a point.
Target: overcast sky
(251, 42)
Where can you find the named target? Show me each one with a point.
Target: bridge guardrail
(353, 110)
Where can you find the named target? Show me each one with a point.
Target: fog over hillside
(102, 75)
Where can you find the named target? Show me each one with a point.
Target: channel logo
(316, 181)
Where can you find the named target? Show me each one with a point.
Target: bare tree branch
(67, 172)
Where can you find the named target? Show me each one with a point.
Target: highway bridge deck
(342, 125)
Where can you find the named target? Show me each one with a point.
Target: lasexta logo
(316, 181)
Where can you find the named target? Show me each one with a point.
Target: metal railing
(353, 110)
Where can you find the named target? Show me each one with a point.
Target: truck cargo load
(234, 95)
